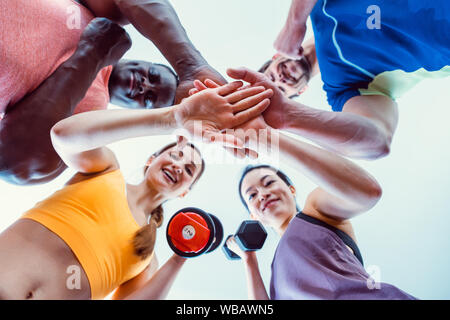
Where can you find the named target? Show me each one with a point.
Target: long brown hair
(145, 238)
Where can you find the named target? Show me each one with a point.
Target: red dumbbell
(192, 232)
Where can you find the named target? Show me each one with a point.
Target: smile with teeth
(170, 175)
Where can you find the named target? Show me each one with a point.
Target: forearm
(255, 284)
(160, 283)
(331, 172)
(91, 130)
(158, 21)
(346, 133)
(300, 10)
(27, 154)
(61, 92)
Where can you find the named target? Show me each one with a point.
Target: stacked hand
(201, 73)
(209, 113)
(244, 131)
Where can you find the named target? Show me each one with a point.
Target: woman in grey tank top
(317, 256)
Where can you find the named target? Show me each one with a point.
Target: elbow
(377, 150)
(32, 169)
(59, 133)
(382, 150)
(372, 195)
(376, 192)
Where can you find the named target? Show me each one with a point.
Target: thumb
(245, 74)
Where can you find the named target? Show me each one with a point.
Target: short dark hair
(278, 172)
(265, 66)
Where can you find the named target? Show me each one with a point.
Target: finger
(244, 87)
(238, 153)
(242, 94)
(231, 240)
(251, 101)
(229, 88)
(245, 74)
(250, 113)
(199, 85)
(252, 154)
(211, 84)
(193, 91)
(226, 140)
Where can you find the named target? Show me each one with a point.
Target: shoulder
(80, 177)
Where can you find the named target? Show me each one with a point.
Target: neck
(142, 200)
(282, 228)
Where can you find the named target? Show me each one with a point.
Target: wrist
(250, 259)
(179, 260)
(163, 119)
(291, 110)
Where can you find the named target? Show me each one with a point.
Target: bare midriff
(37, 264)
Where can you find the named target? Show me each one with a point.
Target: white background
(405, 235)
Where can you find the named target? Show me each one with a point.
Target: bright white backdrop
(405, 235)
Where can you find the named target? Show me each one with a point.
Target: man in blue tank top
(369, 52)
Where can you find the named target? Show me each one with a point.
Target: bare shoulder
(79, 176)
(107, 9)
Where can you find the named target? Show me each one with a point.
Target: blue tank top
(379, 47)
(312, 261)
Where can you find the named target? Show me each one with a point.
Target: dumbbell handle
(228, 252)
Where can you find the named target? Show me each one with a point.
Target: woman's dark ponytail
(145, 238)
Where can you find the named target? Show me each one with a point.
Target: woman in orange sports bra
(97, 233)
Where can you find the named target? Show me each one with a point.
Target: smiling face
(138, 84)
(269, 199)
(173, 172)
(291, 76)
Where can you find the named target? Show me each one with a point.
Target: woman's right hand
(208, 113)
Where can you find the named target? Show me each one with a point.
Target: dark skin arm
(157, 21)
(26, 152)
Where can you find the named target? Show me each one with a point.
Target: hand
(246, 132)
(244, 255)
(290, 39)
(106, 40)
(206, 114)
(202, 73)
(275, 115)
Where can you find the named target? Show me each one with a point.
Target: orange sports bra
(93, 218)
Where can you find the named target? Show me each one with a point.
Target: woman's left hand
(233, 246)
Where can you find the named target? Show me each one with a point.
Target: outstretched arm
(26, 152)
(158, 286)
(363, 130)
(290, 38)
(255, 285)
(80, 140)
(157, 21)
(344, 189)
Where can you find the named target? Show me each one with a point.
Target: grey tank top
(312, 261)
